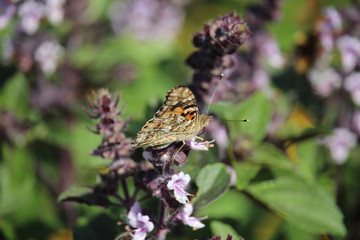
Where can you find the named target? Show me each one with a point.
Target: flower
(54, 11)
(202, 146)
(47, 55)
(185, 217)
(349, 48)
(177, 183)
(352, 85)
(328, 26)
(141, 223)
(159, 20)
(356, 122)
(339, 144)
(324, 81)
(30, 13)
(7, 11)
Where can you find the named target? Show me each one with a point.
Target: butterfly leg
(200, 138)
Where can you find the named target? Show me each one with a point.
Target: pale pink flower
(352, 85)
(202, 146)
(349, 48)
(185, 217)
(48, 55)
(177, 183)
(54, 10)
(7, 11)
(141, 223)
(340, 143)
(30, 13)
(324, 81)
(356, 122)
(331, 24)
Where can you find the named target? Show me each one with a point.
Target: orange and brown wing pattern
(175, 121)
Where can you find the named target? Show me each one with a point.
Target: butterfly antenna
(243, 120)
(213, 94)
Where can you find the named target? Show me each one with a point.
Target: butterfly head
(204, 120)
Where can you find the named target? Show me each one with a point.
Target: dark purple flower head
(222, 36)
(115, 144)
(218, 39)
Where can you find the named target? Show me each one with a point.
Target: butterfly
(177, 120)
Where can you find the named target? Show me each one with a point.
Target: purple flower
(7, 49)
(141, 223)
(339, 144)
(324, 81)
(269, 48)
(356, 122)
(349, 48)
(352, 85)
(30, 13)
(330, 24)
(7, 11)
(177, 183)
(202, 146)
(54, 11)
(148, 19)
(185, 217)
(260, 79)
(47, 55)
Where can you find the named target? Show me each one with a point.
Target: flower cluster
(331, 80)
(114, 144)
(216, 42)
(154, 19)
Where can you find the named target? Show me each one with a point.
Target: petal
(181, 195)
(188, 209)
(138, 234)
(194, 223)
(133, 214)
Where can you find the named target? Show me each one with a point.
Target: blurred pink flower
(356, 122)
(324, 81)
(30, 13)
(47, 55)
(54, 11)
(202, 146)
(141, 223)
(7, 11)
(352, 85)
(328, 27)
(7, 49)
(270, 49)
(349, 48)
(185, 217)
(148, 19)
(340, 143)
(260, 79)
(177, 183)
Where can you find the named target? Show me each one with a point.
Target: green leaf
(14, 95)
(256, 108)
(307, 154)
(212, 181)
(223, 229)
(244, 173)
(303, 204)
(268, 154)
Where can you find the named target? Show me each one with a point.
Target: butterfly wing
(174, 121)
